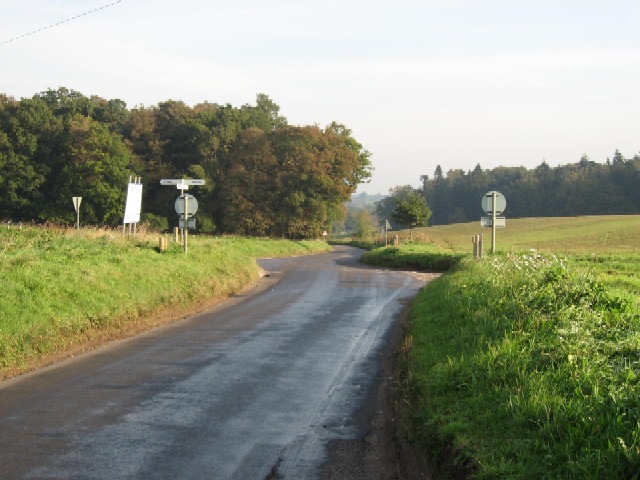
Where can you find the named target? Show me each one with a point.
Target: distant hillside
(364, 200)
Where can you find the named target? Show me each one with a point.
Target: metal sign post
(186, 215)
(493, 204)
(186, 205)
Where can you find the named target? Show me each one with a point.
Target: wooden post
(477, 246)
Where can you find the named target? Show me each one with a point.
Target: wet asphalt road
(253, 389)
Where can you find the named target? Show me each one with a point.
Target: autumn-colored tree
(245, 197)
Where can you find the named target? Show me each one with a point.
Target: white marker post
(387, 227)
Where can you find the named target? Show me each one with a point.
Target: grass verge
(424, 257)
(62, 289)
(526, 368)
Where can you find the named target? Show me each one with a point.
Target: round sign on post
(186, 202)
(487, 203)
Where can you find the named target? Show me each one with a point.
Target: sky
(420, 83)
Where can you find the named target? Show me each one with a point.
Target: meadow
(590, 234)
(526, 364)
(65, 290)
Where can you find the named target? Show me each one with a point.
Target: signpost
(493, 204)
(182, 183)
(76, 205)
(387, 227)
(186, 205)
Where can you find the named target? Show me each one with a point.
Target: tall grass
(62, 288)
(413, 256)
(525, 366)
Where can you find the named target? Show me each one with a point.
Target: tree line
(263, 176)
(582, 188)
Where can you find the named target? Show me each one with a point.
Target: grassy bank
(527, 365)
(413, 257)
(62, 289)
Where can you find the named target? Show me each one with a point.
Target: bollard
(163, 245)
(477, 246)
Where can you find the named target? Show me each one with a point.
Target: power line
(59, 23)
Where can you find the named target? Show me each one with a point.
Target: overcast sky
(419, 83)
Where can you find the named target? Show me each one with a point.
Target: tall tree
(97, 170)
(30, 143)
(265, 114)
(245, 198)
(386, 207)
(412, 210)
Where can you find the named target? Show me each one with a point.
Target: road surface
(253, 389)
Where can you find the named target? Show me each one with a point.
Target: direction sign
(487, 203)
(182, 183)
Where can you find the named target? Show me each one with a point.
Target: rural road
(256, 388)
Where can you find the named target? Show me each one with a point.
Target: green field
(604, 234)
(63, 290)
(526, 364)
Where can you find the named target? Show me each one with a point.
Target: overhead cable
(59, 23)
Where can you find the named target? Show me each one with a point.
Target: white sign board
(191, 223)
(501, 222)
(134, 203)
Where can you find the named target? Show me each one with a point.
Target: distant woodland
(263, 176)
(583, 188)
